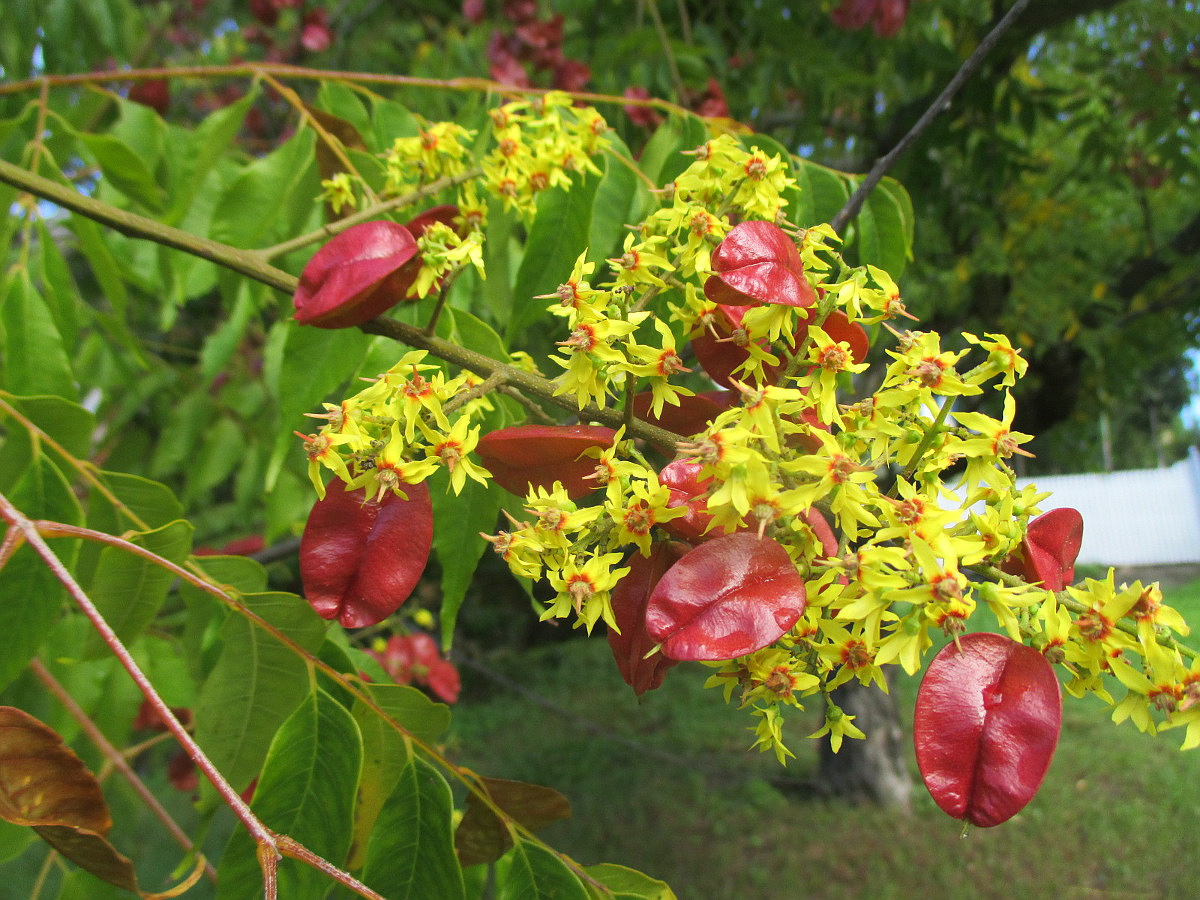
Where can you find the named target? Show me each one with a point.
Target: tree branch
(252, 264)
(244, 262)
(940, 104)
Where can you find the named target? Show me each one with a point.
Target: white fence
(1143, 517)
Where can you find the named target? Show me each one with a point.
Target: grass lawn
(667, 786)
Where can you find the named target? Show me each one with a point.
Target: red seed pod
(629, 599)
(691, 416)
(1049, 549)
(356, 276)
(415, 658)
(360, 559)
(730, 596)
(721, 347)
(525, 456)
(682, 479)
(985, 727)
(758, 263)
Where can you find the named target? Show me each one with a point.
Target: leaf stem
(325, 232)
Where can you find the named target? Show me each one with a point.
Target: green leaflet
(885, 229)
(663, 157)
(558, 235)
(198, 151)
(254, 209)
(629, 884)
(822, 192)
(255, 683)
(411, 854)
(535, 873)
(125, 170)
(31, 598)
(35, 358)
(302, 367)
(457, 524)
(306, 792)
(620, 197)
(66, 423)
(128, 589)
(386, 752)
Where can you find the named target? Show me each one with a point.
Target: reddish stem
(117, 759)
(265, 838)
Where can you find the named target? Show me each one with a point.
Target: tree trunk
(874, 769)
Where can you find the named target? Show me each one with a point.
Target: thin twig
(284, 70)
(665, 40)
(325, 232)
(941, 104)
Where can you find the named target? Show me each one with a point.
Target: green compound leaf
(411, 853)
(307, 792)
(255, 683)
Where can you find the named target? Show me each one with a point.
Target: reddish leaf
(985, 727)
(629, 599)
(691, 416)
(43, 784)
(758, 263)
(360, 559)
(356, 276)
(730, 596)
(482, 838)
(525, 456)
(1048, 551)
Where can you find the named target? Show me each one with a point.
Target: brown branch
(541, 387)
(884, 164)
(244, 262)
(252, 264)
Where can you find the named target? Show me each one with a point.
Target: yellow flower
(585, 586)
(838, 725)
(451, 449)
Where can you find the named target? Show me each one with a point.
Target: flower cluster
(398, 432)
(895, 515)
